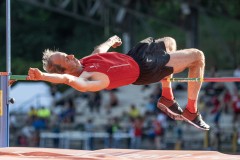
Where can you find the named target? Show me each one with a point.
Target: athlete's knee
(170, 39)
(170, 44)
(199, 56)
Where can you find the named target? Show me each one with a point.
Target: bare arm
(114, 42)
(78, 83)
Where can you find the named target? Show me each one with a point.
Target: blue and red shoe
(170, 107)
(195, 119)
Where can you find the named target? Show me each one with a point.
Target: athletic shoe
(170, 107)
(195, 119)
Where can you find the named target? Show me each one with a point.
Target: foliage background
(35, 29)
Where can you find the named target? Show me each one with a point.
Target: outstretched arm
(114, 42)
(78, 83)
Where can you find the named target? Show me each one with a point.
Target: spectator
(213, 71)
(238, 137)
(28, 131)
(227, 99)
(53, 90)
(89, 128)
(236, 108)
(68, 114)
(144, 87)
(162, 119)
(209, 89)
(22, 140)
(125, 118)
(217, 137)
(116, 129)
(55, 128)
(217, 110)
(219, 88)
(44, 113)
(134, 112)
(178, 132)
(36, 138)
(158, 132)
(151, 106)
(180, 87)
(236, 73)
(39, 123)
(137, 133)
(13, 123)
(95, 101)
(157, 92)
(54, 93)
(113, 101)
(111, 128)
(32, 112)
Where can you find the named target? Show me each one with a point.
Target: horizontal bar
(183, 79)
(217, 79)
(3, 73)
(222, 79)
(18, 77)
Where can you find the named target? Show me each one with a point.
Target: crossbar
(18, 77)
(216, 79)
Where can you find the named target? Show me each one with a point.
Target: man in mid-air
(149, 61)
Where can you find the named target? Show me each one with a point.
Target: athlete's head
(59, 62)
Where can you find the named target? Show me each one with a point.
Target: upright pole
(8, 35)
(4, 89)
(4, 125)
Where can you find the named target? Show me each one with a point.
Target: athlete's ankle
(192, 106)
(189, 115)
(191, 109)
(167, 93)
(165, 101)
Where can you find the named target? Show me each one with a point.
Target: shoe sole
(190, 122)
(170, 113)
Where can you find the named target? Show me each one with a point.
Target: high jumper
(149, 61)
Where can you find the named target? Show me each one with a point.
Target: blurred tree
(35, 29)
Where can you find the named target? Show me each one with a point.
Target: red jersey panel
(121, 69)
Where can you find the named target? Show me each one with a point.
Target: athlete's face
(69, 62)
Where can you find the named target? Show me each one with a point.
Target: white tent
(27, 94)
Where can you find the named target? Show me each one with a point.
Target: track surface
(21, 153)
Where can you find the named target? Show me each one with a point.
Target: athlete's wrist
(110, 42)
(43, 76)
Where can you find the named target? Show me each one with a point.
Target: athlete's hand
(11, 81)
(34, 74)
(115, 41)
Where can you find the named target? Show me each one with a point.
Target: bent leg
(171, 46)
(166, 102)
(194, 60)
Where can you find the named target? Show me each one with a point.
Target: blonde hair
(48, 64)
